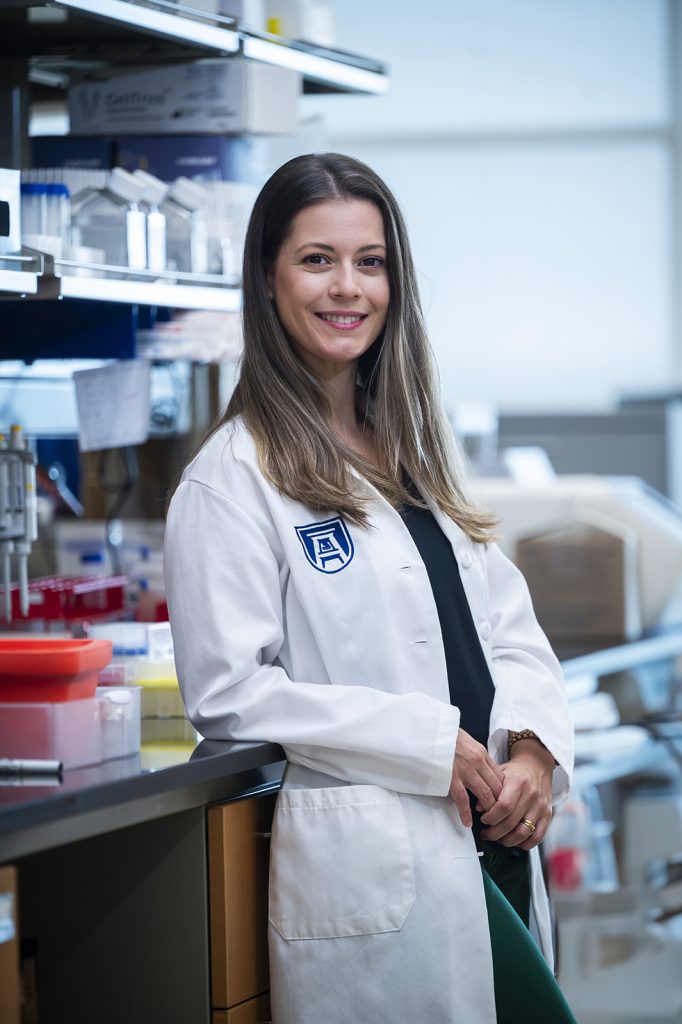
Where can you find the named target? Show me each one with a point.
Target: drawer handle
(264, 835)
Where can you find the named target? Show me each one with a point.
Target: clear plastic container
(112, 220)
(119, 710)
(162, 702)
(168, 730)
(77, 733)
(69, 732)
(154, 193)
(186, 226)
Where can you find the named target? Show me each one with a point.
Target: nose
(345, 282)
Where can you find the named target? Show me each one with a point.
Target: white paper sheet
(113, 405)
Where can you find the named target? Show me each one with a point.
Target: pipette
(6, 531)
(18, 514)
(26, 481)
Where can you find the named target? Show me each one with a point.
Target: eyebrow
(330, 248)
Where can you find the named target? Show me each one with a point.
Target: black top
(471, 685)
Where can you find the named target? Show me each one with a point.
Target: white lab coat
(325, 638)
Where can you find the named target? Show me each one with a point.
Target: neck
(340, 390)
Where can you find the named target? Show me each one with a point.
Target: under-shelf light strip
(311, 66)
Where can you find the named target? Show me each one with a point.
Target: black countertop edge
(210, 762)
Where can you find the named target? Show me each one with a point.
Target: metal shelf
(651, 756)
(35, 274)
(60, 36)
(27, 273)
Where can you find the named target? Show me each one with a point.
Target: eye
(316, 259)
(372, 262)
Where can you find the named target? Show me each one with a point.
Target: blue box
(204, 158)
(73, 151)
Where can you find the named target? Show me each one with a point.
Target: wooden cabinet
(254, 1011)
(238, 859)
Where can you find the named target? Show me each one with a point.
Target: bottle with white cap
(154, 193)
(185, 209)
(112, 220)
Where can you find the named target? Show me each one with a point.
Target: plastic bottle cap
(118, 696)
(154, 189)
(125, 185)
(188, 193)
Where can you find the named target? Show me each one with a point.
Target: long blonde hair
(282, 402)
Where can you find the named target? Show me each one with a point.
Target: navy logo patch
(328, 546)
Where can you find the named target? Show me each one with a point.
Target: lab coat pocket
(341, 863)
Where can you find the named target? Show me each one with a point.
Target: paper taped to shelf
(113, 405)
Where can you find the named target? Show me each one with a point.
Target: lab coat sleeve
(226, 610)
(529, 686)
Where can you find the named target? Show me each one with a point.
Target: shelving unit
(36, 275)
(62, 36)
(46, 41)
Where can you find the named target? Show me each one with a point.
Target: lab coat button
(466, 560)
(486, 631)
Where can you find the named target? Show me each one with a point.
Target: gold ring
(529, 824)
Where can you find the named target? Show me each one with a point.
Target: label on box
(206, 96)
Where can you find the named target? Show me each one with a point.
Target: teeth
(340, 319)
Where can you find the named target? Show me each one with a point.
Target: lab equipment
(10, 211)
(72, 599)
(626, 502)
(154, 193)
(18, 514)
(33, 205)
(50, 669)
(186, 227)
(112, 220)
(71, 733)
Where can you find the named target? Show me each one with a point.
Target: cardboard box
(10, 984)
(583, 581)
(230, 95)
(204, 157)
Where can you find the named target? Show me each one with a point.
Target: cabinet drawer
(238, 857)
(255, 1011)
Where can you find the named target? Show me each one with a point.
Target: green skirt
(525, 988)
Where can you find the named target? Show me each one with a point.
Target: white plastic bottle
(112, 220)
(57, 211)
(154, 194)
(186, 226)
(33, 201)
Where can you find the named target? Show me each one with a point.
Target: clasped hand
(507, 794)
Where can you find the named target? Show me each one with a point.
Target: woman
(313, 558)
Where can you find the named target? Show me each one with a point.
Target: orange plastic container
(44, 669)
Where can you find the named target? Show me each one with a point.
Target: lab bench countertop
(39, 813)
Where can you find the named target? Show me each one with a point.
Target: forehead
(355, 222)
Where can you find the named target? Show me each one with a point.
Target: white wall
(530, 146)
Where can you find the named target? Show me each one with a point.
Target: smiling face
(330, 284)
